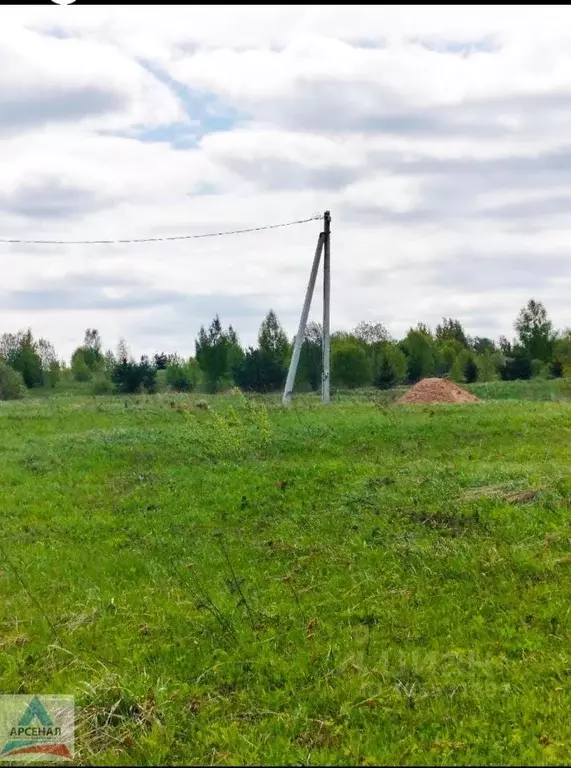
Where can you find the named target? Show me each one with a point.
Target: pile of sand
(437, 391)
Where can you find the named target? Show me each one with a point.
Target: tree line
(366, 356)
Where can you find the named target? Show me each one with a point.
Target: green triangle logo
(35, 709)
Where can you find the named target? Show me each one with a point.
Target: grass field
(222, 581)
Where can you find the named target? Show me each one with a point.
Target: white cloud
(436, 135)
(46, 80)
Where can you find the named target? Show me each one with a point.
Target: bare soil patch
(429, 391)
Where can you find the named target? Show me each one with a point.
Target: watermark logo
(36, 728)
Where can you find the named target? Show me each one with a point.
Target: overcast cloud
(439, 137)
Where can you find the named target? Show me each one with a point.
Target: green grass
(535, 389)
(359, 584)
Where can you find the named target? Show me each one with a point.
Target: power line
(315, 217)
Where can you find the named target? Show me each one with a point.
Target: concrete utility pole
(323, 245)
(288, 389)
(326, 305)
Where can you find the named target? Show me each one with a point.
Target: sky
(439, 137)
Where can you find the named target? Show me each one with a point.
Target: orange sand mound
(437, 391)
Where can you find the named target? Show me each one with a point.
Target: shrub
(52, 374)
(418, 347)
(470, 369)
(272, 340)
(85, 361)
(25, 359)
(12, 386)
(392, 366)
(386, 377)
(126, 377)
(456, 372)
(217, 351)
(101, 385)
(445, 354)
(556, 369)
(176, 377)
(310, 359)
(471, 372)
(350, 366)
(79, 368)
(161, 380)
(498, 361)
(130, 377)
(148, 374)
(487, 369)
(516, 368)
(161, 361)
(260, 372)
(183, 377)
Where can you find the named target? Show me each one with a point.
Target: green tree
(539, 369)
(21, 352)
(130, 377)
(373, 337)
(53, 374)
(446, 353)
(109, 362)
(419, 349)
(183, 376)
(451, 330)
(337, 337)
(265, 369)
(424, 328)
(482, 344)
(272, 339)
(47, 353)
(391, 366)
(310, 358)
(259, 372)
(487, 366)
(371, 333)
(216, 351)
(123, 351)
(161, 360)
(8, 342)
(88, 359)
(235, 352)
(12, 385)
(148, 374)
(556, 369)
(469, 366)
(499, 361)
(79, 368)
(456, 372)
(535, 331)
(386, 376)
(518, 367)
(126, 376)
(212, 353)
(506, 346)
(101, 384)
(562, 350)
(92, 347)
(350, 366)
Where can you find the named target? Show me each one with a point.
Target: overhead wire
(125, 241)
